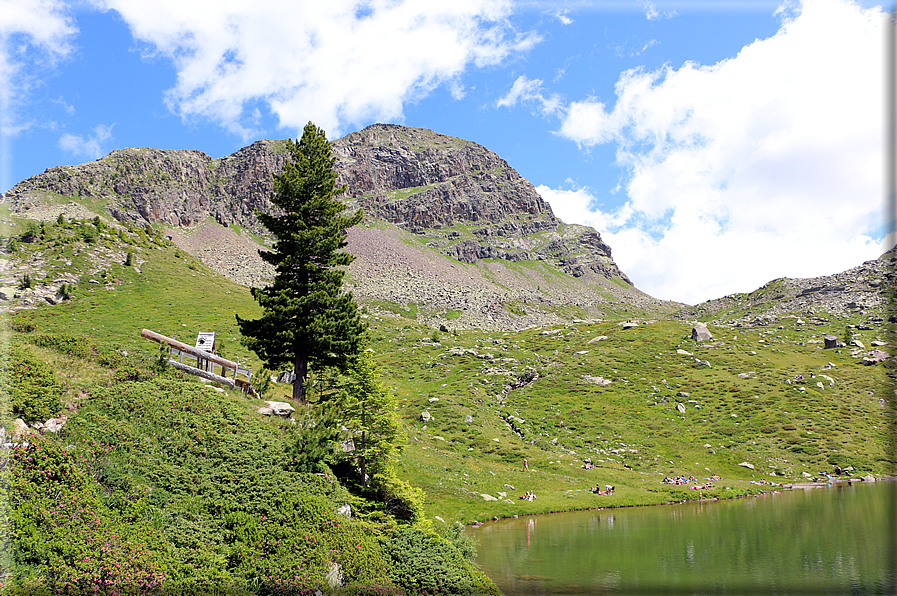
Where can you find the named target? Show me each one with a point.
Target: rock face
(864, 290)
(448, 224)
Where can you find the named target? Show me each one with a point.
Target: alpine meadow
(410, 341)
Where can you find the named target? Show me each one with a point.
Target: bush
(33, 391)
(64, 344)
(402, 501)
(422, 562)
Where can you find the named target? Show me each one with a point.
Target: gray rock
(335, 575)
(684, 353)
(281, 408)
(682, 394)
(700, 332)
(681, 408)
(745, 464)
(869, 478)
(703, 363)
(425, 416)
(858, 343)
(831, 341)
(20, 427)
(630, 325)
(345, 510)
(468, 419)
(875, 356)
(487, 497)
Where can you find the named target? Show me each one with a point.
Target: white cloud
(562, 15)
(530, 91)
(764, 165)
(34, 35)
(91, 146)
(336, 63)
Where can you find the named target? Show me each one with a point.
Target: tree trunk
(301, 371)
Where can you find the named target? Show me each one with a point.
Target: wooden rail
(201, 356)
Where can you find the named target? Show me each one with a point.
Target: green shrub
(62, 539)
(422, 562)
(64, 344)
(402, 501)
(33, 391)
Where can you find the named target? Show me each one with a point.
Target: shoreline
(784, 487)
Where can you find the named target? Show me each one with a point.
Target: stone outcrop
(434, 205)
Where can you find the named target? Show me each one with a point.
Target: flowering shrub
(61, 532)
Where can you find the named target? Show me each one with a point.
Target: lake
(834, 540)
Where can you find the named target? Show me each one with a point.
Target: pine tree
(307, 320)
(368, 411)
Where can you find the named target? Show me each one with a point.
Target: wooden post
(201, 373)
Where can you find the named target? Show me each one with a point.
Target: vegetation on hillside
(158, 483)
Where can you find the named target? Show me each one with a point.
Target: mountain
(452, 234)
(865, 291)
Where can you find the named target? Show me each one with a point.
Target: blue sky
(715, 145)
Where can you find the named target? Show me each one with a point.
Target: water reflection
(827, 541)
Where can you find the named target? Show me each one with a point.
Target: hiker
(525, 466)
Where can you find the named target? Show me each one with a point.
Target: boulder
(468, 419)
(683, 394)
(700, 332)
(831, 341)
(745, 464)
(425, 416)
(630, 325)
(703, 363)
(681, 408)
(345, 510)
(858, 343)
(20, 427)
(335, 575)
(684, 353)
(487, 497)
(875, 356)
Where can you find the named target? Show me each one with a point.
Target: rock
(874, 357)
(858, 343)
(745, 464)
(509, 487)
(831, 381)
(436, 517)
(468, 419)
(425, 416)
(869, 478)
(345, 510)
(281, 408)
(596, 339)
(53, 425)
(487, 497)
(805, 475)
(831, 341)
(433, 400)
(683, 352)
(20, 427)
(681, 408)
(630, 325)
(597, 380)
(7, 293)
(335, 575)
(703, 363)
(700, 332)
(682, 394)
(820, 385)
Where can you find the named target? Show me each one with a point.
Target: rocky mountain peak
(438, 203)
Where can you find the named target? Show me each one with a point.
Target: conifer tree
(307, 320)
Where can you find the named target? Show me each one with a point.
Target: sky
(715, 145)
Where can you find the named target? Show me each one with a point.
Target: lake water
(836, 540)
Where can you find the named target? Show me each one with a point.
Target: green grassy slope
(158, 483)
(185, 461)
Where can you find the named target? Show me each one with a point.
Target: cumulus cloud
(525, 90)
(34, 35)
(337, 63)
(764, 165)
(90, 146)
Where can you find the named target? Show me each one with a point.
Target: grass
(631, 429)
